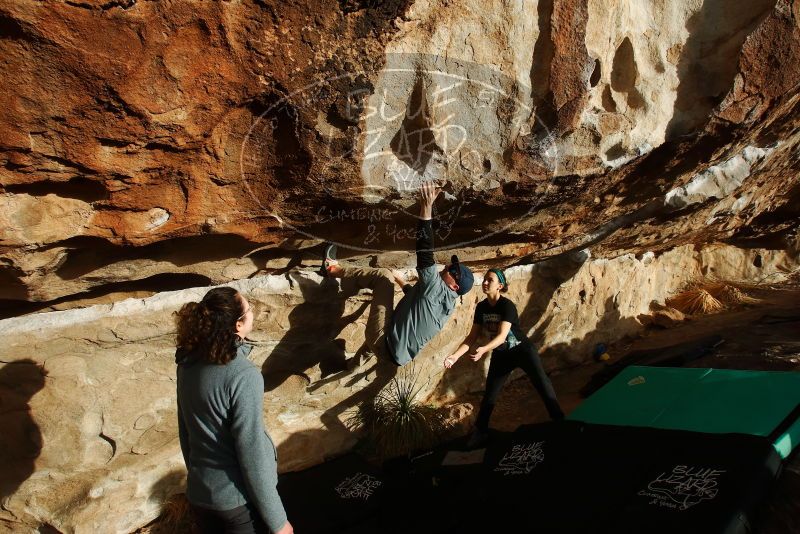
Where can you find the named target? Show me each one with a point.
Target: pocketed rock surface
(607, 154)
(148, 146)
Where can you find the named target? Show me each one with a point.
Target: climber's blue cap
(462, 275)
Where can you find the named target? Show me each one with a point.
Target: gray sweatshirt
(229, 456)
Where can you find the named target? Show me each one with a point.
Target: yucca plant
(395, 422)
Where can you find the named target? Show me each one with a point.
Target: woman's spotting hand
(450, 360)
(286, 529)
(478, 353)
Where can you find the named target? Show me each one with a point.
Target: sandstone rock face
(92, 443)
(658, 69)
(662, 316)
(612, 151)
(134, 131)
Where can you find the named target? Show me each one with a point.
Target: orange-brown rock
(130, 129)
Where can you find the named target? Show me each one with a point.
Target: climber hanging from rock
(401, 333)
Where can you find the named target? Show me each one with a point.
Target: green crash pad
(717, 401)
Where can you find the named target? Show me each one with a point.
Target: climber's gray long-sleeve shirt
(230, 458)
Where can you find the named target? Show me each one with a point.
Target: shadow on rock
(314, 325)
(546, 278)
(176, 516)
(460, 379)
(384, 371)
(303, 449)
(21, 439)
(611, 327)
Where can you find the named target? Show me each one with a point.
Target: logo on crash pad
(359, 486)
(522, 459)
(683, 487)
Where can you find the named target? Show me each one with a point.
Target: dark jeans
(525, 357)
(242, 520)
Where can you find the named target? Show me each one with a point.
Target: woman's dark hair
(501, 277)
(207, 329)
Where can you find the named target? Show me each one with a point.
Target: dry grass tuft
(711, 297)
(176, 509)
(175, 518)
(730, 295)
(695, 301)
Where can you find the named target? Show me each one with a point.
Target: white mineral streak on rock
(622, 160)
(268, 285)
(718, 181)
(157, 217)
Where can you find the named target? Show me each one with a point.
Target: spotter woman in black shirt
(497, 317)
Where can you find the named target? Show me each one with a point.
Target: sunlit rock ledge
(91, 431)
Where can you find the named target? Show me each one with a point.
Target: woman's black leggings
(525, 357)
(242, 520)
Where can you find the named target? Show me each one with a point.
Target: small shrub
(395, 422)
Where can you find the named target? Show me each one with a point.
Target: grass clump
(711, 297)
(176, 518)
(395, 421)
(696, 301)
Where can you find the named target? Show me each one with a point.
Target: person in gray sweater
(230, 459)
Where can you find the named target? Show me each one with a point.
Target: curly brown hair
(207, 329)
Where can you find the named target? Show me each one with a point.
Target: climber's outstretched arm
(428, 194)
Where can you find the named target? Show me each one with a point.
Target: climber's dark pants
(525, 357)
